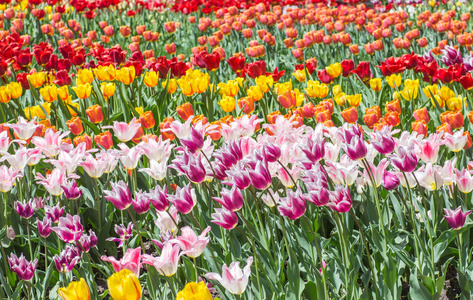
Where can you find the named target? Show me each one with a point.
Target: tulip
(107, 89)
(190, 243)
(25, 209)
(224, 218)
(69, 229)
(227, 104)
(104, 139)
(315, 89)
(293, 206)
(84, 76)
(44, 227)
(231, 199)
(83, 90)
(234, 279)
(126, 75)
(394, 80)
(75, 126)
(194, 291)
(71, 190)
(95, 114)
(405, 160)
(125, 131)
(151, 79)
(21, 267)
(49, 93)
(120, 195)
(456, 218)
(350, 115)
(76, 290)
(354, 146)
(130, 261)
(15, 90)
(124, 285)
(376, 84)
(340, 199)
(184, 200)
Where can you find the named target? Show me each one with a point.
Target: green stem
(196, 272)
(29, 238)
(45, 254)
(460, 251)
(344, 247)
(137, 229)
(254, 252)
(319, 253)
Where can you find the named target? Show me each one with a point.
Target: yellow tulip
(5, 95)
(36, 111)
(300, 75)
(200, 84)
(70, 105)
(63, 92)
(124, 285)
(172, 86)
(37, 79)
(139, 110)
(126, 75)
(376, 84)
(340, 99)
(299, 97)
(194, 291)
(445, 93)
(15, 90)
(334, 70)
(230, 88)
(49, 93)
(394, 80)
(337, 89)
(454, 103)
(76, 290)
(255, 93)
(105, 73)
(83, 91)
(151, 79)
(354, 100)
(281, 88)
(185, 86)
(316, 89)
(411, 88)
(240, 81)
(85, 76)
(107, 89)
(264, 83)
(227, 104)
(431, 90)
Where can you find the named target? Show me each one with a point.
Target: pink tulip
(125, 131)
(21, 267)
(190, 242)
(233, 278)
(23, 129)
(131, 261)
(340, 199)
(167, 263)
(69, 229)
(456, 218)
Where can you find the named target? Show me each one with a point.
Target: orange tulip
(147, 119)
(85, 138)
(95, 114)
(75, 126)
(104, 139)
(185, 111)
(421, 115)
(350, 115)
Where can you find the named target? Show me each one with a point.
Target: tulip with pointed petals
(25, 209)
(191, 243)
(71, 190)
(67, 260)
(224, 218)
(123, 232)
(405, 160)
(184, 200)
(87, 242)
(167, 263)
(54, 212)
(293, 205)
(233, 278)
(120, 195)
(141, 202)
(383, 141)
(456, 218)
(44, 227)
(125, 131)
(130, 261)
(231, 199)
(159, 198)
(354, 146)
(340, 199)
(260, 176)
(69, 229)
(21, 267)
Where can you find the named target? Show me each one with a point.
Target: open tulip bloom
(153, 145)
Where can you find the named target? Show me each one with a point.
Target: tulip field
(201, 150)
